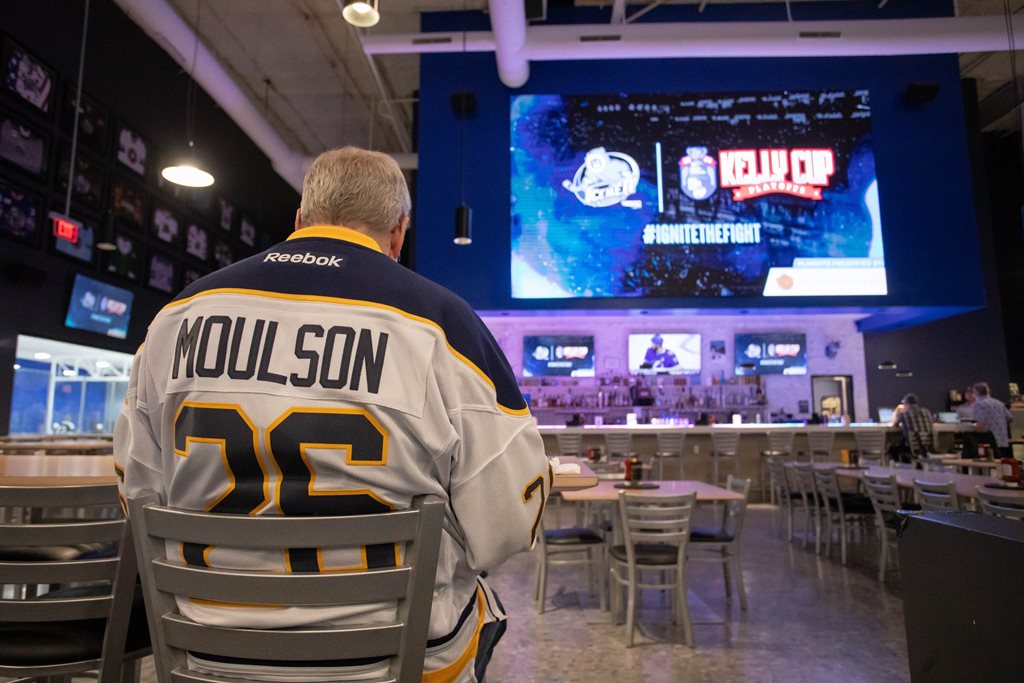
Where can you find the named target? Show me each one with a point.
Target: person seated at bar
(965, 411)
(991, 415)
(916, 423)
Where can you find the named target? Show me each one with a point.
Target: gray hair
(981, 389)
(355, 188)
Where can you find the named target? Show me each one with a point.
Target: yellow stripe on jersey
(451, 672)
(337, 232)
(317, 298)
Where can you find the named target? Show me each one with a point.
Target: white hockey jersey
(320, 377)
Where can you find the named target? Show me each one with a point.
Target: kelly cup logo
(698, 179)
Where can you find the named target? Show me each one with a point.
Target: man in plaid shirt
(916, 423)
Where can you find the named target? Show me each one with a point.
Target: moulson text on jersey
(337, 357)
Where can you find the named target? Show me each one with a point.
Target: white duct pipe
(730, 39)
(510, 16)
(162, 23)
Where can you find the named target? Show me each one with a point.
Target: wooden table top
(574, 482)
(966, 484)
(68, 470)
(58, 446)
(606, 491)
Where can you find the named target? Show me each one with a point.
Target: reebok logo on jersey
(305, 259)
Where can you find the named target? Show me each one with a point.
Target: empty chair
(724, 446)
(871, 444)
(401, 641)
(935, 495)
(784, 495)
(1000, 504)
(92, 624)
(670, 446)
(780, 445)
(722, 544)
(656, 531)
(885, 498)
(806, 487)
(933, 463)
(839, 509)
(820, 444)
(570, 444)
(619, 444)
(584, 545)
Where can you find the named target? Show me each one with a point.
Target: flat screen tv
(654, 353)
(744, 194)
(98, 307)
(546, 355)
(771, 353)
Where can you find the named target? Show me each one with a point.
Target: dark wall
(956, 352)
(137, 83)
(920, 153)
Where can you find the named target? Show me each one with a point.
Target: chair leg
(828, 533)
(631, 599)
(738, 573)
(725, 575)
(883, 556)
(789, 522)
(714, 469)
(542, 585)
(684, 608)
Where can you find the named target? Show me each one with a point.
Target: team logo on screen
(757, 172)
(698, 179)
(606, 179)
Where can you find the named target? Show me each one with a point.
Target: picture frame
(22, 145)
(223, 254)
(247, 232)
(127, 201)
(20, 213)
(132, 150)
(93, 120)
(227, 214)
(126, 260)
(26, 77)
(190, 275)
(166, 225)
(82, 250)
(161, 271)
(87, 188)
(197, 241)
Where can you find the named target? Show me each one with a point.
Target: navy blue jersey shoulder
(363, 274)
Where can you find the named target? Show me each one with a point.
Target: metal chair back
(993, 502)
(781, 441)
(570, 444)
(725, 443)
(935, 495)
(871, 443)
(410, 585)
(619, 443)
(820, 444)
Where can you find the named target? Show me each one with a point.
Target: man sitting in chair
(321, 377)
(916, 423)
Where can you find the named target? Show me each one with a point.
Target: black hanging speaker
(919, 94)
(463, 225)
(464, 104)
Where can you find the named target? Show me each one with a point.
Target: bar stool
(570, 444)
(724, 445)
(780, 446)
(619, 444)
(670, 445)
(871, 444)
(820, 443)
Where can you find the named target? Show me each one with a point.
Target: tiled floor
(809, 619)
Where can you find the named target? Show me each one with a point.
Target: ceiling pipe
(513, 63)
(163, 24)
(861, 38)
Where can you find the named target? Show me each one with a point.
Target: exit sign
(65, 228)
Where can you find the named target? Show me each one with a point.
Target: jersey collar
(336, 232)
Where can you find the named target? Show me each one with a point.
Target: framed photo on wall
(26, 77)
(197, 242)
(132, 150)
(125, 261)
(19, 213)
(93, 120)
(167, 225)
(247, 232)
(87, 186)
(162, 272)
(223, 254)
(22, 145)
(190, 275)
(127, 201)
(82, 248)
(227, 215)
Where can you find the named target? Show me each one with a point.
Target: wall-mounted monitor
(547, 355)
(771, 353)
(746, 194)
(98, 307)
(655, 353)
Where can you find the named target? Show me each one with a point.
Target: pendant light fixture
(361, 13)
(466, 104)
(186, 170)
